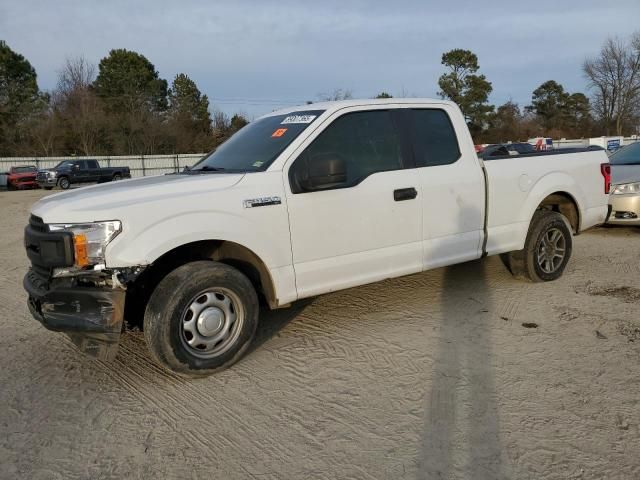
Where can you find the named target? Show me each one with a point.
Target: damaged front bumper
(89, 309)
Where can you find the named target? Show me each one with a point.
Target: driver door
(354, 212)
(79, 171)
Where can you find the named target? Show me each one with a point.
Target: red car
(22, 177)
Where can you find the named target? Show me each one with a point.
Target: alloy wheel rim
(551, 250)
(211, 323)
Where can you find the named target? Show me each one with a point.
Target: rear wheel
(547, 249)
(201, 318)
(64, 183)
(116, 177)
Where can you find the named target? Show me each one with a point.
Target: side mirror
(323, 171)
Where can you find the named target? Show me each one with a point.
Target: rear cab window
(434, 138)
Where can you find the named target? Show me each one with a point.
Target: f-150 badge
(261, 202)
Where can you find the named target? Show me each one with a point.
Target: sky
(253, 56)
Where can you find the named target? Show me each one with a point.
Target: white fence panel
(140, 165)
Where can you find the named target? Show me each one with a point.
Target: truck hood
(22, 175)
(109, 201)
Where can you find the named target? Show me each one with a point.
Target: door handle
(404, 194)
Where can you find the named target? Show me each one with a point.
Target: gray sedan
(625, 186)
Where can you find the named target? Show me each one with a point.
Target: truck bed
(515, 183)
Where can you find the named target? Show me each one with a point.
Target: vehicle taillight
(605, 169)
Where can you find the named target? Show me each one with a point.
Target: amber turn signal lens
(80, 250)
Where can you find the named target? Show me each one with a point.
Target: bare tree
(337, 94)
(44, 134)
(79, 107)
(614, 76)
(77, 74)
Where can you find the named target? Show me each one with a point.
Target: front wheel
(64, 183)
(201, 318)
(546, 251)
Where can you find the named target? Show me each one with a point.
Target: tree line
(122, 106)
(613, 78)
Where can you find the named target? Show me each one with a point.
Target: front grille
(39, 274)
(38, 224)
(47, 250)
(41, 176)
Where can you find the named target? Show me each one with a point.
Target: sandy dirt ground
(461, 372)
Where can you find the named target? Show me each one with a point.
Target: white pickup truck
(300, 202)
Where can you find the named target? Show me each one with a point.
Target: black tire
(64, 183)
(167, 315)
(116, 177)
(532, 262)
(11, 187)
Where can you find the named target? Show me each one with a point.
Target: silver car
(625, 186)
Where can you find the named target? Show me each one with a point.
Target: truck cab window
(434, 138)
(353, 147)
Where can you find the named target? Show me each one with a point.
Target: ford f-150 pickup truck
(300, 202)
(68, 172)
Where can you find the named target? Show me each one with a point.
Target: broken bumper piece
(91, 316)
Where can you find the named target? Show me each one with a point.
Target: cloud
(255, 55)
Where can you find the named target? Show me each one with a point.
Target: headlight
(626, 188)
(89, 239)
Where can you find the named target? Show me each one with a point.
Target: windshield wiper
(207, 168)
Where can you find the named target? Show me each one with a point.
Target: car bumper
(47, 182)
(625, 210)
(24, 184)
(91, 316)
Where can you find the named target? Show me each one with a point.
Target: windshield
(256, 146)
(65, 163)
(23, 169)
(629, 155)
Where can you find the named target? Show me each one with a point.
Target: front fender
(144, 246)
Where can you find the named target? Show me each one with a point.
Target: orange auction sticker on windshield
(278, 133)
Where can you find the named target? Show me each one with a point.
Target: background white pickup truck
(300, 202)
